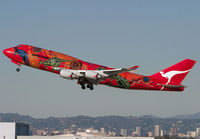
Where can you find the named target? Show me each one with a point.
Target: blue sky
(151, 34)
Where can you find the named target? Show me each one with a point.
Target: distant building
(124, 132)
(138, 131)
(134, 134)
(149, 134)
(66, 131)
(103, 133)
(191, 134)
(111, 133)
(173, 132)
(157, 130)
(163, 132)
(92, 131)
(10, 130)
(39, 132)
(181, 135)
(79, 137)
(197, 131)
(102, 130)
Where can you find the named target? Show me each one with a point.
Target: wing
(117, 71)
(96, 75)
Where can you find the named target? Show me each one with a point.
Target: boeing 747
(89, 74)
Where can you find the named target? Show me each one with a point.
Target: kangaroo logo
(169, 75)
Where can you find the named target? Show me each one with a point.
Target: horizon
(150, 115)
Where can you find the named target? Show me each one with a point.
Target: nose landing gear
(18, 69)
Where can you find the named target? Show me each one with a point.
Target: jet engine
(76, 74)
(92, 75)
(67, 74)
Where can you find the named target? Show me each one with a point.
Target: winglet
(134, 68)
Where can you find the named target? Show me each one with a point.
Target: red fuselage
(47, 60)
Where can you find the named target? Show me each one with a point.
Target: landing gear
(18, 69)
(83, 87)
(90, 86)
(85, 84)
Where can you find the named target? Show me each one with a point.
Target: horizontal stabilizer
(172, 86)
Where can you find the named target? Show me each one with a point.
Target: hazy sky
(151, 34)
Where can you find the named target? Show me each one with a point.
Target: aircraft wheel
(88, 86)
(83, 87)
(91, 88)
(18, 69)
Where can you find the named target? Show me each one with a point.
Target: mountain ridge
(188, 116)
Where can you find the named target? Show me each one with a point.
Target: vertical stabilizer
(175, 74)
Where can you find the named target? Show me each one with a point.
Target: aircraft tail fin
(175, 74)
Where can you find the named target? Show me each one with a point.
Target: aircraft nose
(7, 51)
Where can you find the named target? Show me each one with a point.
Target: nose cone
(7, 52)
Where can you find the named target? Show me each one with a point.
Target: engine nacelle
(67, 74)
(92, 75)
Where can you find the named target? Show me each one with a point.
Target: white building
(124, 132)
(197, 131)
(138, 131)
(157, 130)
(10, 130)
(191, 134)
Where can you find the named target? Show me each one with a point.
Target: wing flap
(117, 71)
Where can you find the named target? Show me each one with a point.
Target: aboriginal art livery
(89, 74)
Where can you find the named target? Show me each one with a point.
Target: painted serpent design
(22, 54)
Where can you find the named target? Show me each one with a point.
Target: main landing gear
(90, 86)
(83, 87)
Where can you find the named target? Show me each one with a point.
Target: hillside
(112, 123)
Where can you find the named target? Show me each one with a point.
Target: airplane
(89, 74)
